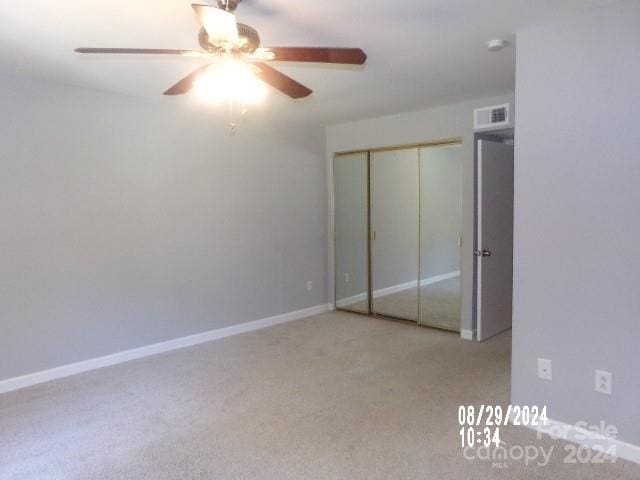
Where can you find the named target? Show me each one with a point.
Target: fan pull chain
(232, 124)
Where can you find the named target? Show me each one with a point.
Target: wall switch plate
(604, 382)
(309, 285)
(544, 369)
(346, 278)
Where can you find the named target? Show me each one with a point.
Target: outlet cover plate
(544, 369)
(604, 382)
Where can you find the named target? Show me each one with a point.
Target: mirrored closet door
(394, 233)
(440, 235)
(398, 233)
(351, 210)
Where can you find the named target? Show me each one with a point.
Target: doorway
(493, 278)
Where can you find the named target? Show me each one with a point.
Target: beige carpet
(439, 304)
(337, 396)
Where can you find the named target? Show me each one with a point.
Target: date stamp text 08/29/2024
(480, 426)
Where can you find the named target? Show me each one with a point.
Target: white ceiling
(422, 53)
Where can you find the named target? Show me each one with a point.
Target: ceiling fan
(222, 37)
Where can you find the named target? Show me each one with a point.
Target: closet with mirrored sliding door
(397, 226)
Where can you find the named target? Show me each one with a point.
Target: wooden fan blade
(186, 84)
(156, 51)
(350, 56)
(280, 81)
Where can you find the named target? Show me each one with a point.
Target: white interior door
(494, 254)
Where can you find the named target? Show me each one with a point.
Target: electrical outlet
(309, 285)
(604, 382)
(346, 278)
(544, 369)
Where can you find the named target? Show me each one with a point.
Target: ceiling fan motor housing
(229, 5)
(249, 39)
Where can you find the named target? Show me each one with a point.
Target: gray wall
(440, 210)
(428, 125)
(577, 227)
(127, 222)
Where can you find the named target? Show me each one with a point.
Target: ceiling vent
(491, 117)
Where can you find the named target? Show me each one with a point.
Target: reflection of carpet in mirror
(439, 304)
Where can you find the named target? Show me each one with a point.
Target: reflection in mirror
(440, 235)
(351, 227)
(394, 233)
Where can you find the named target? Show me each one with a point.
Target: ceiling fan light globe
(234, 81)
(209, 88)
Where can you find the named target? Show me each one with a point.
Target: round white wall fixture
(496, 45)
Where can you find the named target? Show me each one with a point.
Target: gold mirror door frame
(351, 232)
(432, 296)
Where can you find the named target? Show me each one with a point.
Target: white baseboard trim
(467, 334)
(396, 288)
(590, 439)
(439, 278)
(345, 302)
(383, 292)
(413, 284)
(127, 355)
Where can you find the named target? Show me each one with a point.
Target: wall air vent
(491, 117)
